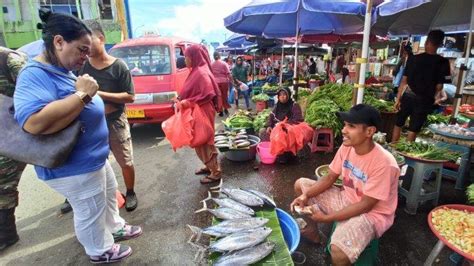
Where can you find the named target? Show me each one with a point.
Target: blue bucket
(290, 229)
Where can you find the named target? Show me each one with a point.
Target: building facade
(18, 18)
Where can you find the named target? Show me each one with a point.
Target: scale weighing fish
(268, 200)
(224, 213)
(241, 240)
(228, 227)
(230, 203)
(246, 256)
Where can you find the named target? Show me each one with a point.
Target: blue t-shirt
(35, 89)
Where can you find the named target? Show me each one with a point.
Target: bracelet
(80, 98)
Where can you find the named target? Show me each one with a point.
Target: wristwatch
(85, 98)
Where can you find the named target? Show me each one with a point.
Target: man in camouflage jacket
(11, 63)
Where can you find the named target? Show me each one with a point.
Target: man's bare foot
(311, 234)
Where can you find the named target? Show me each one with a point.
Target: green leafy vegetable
(261, 119)
(426, 151)
(262, 97)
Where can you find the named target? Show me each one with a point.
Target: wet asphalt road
(169, 192)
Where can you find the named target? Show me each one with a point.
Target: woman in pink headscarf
(201, 88)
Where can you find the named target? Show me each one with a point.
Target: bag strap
(51, 70)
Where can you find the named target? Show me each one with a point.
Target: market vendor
(285, 108)
(423, 78)
(365, 208)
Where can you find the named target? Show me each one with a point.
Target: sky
(191, 19)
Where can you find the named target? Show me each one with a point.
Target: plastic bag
(203, 131)
(178, 128)
(279, 139)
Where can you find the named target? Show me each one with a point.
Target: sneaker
(226, 112)
(221, 114)
(131, 201)
(66, 207)
(117, 253)
(127, 232)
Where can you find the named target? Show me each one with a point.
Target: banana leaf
(280, 255)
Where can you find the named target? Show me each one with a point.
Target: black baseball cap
(362, 114)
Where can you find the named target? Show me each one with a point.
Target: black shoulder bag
(48, 151)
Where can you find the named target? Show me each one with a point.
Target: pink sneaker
(116, 253)
(127, 232)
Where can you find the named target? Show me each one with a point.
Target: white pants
(94, 204)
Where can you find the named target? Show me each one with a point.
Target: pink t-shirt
(221, 71)
(374, 174)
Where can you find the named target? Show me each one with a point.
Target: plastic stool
(414, 194)
(367, 257)
(323, 140)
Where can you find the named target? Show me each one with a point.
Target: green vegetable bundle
(341, 94)
(436, 119)
(269, 88)
(261, 119)
(260, 98)
(426, 151)
(322, 114)
(379, 104)
(470, 194)
(241, 119)
(303, 93)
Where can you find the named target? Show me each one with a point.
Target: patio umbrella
(290, 18)
(418, 17)
(238, 40)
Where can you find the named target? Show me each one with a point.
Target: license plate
(135, 113)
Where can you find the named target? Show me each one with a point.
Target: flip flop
(202, 171)
(209, 180)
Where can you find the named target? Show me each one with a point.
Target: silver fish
(229, 227)
(268, 201)
(246, 256)
(241, 240)
(230, 203)
(243, 196)
(224, 213)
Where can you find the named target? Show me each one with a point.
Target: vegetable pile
(262, 97)
(269, 88)
(425, 151)
(470, 194)
(261, 119)
(241, 119)
(456, 226)
(437, 119)
(322, 114)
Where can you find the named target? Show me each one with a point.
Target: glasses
(84, 51)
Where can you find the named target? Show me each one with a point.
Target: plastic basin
(290, 229)
(440, 237)
(263, 150)
(244, 154)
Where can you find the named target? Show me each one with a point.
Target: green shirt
(240, 73)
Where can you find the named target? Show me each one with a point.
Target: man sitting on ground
(365, 208)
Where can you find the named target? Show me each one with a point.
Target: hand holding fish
(300, 201)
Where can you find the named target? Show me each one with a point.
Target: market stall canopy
(335, 38)
(280, 18)
(418, 17)
(302, 49)
(238, 40)
(234, 50)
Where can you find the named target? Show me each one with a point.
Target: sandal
(210, 179)
(203, 171)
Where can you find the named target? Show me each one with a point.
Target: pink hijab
(200, 86)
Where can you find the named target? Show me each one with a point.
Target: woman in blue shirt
(47, 99)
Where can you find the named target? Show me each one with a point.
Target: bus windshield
(145, 60)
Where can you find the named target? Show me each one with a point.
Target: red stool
(323, 140)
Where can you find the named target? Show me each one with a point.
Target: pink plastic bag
(178, 128)
(203, 131)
